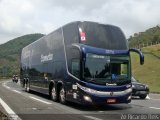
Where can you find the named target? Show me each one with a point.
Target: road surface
(20, 105)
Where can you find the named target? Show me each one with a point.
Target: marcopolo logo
(45, 58)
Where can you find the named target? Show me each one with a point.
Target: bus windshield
(104, 69)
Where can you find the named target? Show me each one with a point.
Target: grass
(148, 73)
(3, 116)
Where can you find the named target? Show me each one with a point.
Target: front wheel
(62, 96)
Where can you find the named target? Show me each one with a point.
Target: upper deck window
(103, 36)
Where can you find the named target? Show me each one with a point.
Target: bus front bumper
(99, 100)
(107, 97)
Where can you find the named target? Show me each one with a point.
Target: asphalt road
(21, 105)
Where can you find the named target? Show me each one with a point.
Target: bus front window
(99, 68)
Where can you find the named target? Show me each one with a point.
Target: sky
(20, 17)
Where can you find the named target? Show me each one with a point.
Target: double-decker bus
(82, 62)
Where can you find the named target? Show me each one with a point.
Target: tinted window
(70, 33)
(76, 67)
(103, 68)
(103, 36)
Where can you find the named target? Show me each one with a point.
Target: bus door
(45, 76)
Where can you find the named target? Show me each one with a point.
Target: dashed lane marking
(37, 99)
(93, 118)
(7, 87)
(155, 108)
(16, 91)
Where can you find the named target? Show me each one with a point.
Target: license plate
(111, 100)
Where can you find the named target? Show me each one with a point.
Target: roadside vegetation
(10, 54)
(148, 73)
(3, 116)
(147, 38)
(149, 42)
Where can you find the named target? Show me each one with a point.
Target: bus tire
(53, 93)
(62, 96)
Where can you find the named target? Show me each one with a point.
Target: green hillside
(148, 73)
(10, 54)
(146, 38)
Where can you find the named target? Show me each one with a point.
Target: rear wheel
(53, 93)
(62, 96)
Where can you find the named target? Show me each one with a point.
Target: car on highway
(139, 89)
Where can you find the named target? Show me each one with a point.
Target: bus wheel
(53, 93)
(62, 97)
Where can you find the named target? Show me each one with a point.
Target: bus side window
(76, 67)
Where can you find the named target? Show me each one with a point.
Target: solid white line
(155, 108)
(40, 100)
(93, 118)
(10, 112)
(16, 91)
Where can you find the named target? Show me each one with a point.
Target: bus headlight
(128, 90)
(87, 98)
(104, 93)
(129, 97)
(89, 90)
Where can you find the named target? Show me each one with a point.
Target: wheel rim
(62, 95)
(53, 93)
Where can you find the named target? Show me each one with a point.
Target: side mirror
(141, 56)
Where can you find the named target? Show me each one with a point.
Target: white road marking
(101, 111)
(34, 108)
(4, 84)
(148, 97)
(10, 112)
(155, 108)
(7, 87)
(40, 100)
(16, 91)
(93, 118)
